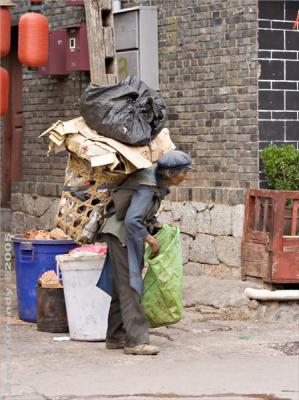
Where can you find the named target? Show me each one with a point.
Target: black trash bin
(51, 310)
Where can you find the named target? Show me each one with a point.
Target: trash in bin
(49, 280)
(87, 249)
(54, 234)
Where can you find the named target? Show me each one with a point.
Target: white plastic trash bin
(87, 306)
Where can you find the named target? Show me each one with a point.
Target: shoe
(114, 345)
(142, 350)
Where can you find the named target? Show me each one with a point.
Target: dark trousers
(126, 319)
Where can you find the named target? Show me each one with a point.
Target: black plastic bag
(129, 112)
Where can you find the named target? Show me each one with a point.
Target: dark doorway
(13, 121)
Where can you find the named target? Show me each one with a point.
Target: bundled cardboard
(76, 137)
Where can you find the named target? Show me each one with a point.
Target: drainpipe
(278, 295)
(116, 5)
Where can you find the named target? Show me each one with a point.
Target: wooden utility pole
(101, 43)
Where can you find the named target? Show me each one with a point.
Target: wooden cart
(270, 244)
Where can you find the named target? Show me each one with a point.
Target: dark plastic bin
(33, 258)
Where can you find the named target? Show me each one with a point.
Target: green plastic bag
(162, 297)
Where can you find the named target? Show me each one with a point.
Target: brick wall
(47, 99)
(279, 75)
(208, 76)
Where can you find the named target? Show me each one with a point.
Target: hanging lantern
(33, 39)
(4, 90)
(5, 25)
(37, 1)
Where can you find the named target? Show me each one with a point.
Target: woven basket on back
(85, 189)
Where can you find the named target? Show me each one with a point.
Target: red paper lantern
(37, 1)
(4, 90)
(33, 39)
(5, 25)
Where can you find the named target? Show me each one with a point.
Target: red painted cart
(270, 244)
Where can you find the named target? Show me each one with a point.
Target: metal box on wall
(126, 29)
(56, 64)
(136, 43)
(77, 58)
(127, 63)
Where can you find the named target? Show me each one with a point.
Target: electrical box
(75, 2)
(77, 58)
(56, 64)
(127, 63)
(136, 43)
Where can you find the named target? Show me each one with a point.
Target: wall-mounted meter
(77, 48)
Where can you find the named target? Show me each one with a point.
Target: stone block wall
(32, 211)
(210, 234)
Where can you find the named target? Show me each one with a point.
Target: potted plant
(270, 243)
(281, 164)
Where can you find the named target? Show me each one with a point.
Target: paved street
(198, 360)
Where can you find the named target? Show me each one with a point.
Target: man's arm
(136, 213)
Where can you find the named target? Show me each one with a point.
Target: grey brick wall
(208, 76)
(279, 78)
(47, 99)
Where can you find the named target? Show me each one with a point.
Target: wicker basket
(86, 190)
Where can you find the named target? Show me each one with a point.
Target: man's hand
(154, 245)
(158, 225)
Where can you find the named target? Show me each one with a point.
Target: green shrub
(281, 164)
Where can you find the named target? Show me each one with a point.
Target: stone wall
(32, 211)
(210, 234)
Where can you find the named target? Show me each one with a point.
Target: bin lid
(70, 262)
(19, 239)
(78, 257)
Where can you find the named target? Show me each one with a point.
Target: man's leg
(115, 332)
(132, 315)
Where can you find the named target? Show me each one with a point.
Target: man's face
(178, 179)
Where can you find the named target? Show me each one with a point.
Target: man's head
(172, 167)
